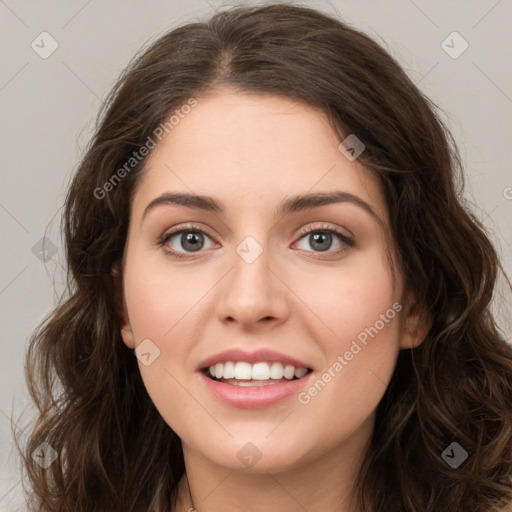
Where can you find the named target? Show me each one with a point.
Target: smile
(242, 373)
(243, 391)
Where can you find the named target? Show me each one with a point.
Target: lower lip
(254, 397)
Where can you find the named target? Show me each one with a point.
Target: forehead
(252, 149)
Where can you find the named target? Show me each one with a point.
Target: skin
(251, 152)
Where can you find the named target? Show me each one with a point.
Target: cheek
(359, 334)
(159, 298)
(352, 298)
(163, 306)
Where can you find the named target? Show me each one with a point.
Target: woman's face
(248, 278)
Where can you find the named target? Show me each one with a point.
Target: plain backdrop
(48, 106)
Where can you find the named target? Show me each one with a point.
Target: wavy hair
(455, 387)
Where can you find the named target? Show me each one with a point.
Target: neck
(325, 483)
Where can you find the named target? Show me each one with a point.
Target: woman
(329, 347)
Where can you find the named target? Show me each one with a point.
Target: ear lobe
(416, 323)
(127, 335)
(120, 307)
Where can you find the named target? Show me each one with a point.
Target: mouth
(260, 374)
(254, 386)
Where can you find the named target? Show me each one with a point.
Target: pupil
(190, 241)
(191, 238)
(319, 236)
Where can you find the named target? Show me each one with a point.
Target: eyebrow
(290, 205)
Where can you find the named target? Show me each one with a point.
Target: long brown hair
(114, 450)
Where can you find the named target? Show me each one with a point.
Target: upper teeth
(259, 371)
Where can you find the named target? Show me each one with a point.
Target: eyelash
(192, 228)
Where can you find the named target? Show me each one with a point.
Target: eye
(191, 240)
(321, 238)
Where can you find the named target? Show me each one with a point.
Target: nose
(254, 291)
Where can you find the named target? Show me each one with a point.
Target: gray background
(48, 107)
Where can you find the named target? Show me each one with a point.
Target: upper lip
(260, 355)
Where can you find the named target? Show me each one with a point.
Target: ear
(416, 321)
(126, 330)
